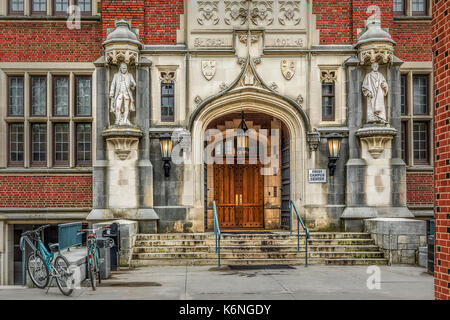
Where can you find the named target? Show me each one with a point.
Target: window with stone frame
(38, 96)
(419, 7)
(59, 138)
(168, 96)
(15, 96)
(400, 7)
(60, 7)
(85, 6)
(328, 79)
(417, 119)
(16, 142)
(38, 7)
(16, 7)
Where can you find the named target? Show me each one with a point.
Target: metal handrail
(217, 233)
(299, 221)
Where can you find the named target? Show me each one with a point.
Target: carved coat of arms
(208, 69)
(288, 69)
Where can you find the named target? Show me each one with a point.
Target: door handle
(237, 199)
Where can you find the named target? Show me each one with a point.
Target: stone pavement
(204, 282)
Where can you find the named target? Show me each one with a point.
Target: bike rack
(23, 242)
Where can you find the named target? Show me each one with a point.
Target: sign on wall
(318, 176)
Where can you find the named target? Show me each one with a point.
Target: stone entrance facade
(115, 89)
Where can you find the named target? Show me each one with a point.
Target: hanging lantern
(165, 141)
(242, 137)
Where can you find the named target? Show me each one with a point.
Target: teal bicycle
(42, 264)
(93, 257)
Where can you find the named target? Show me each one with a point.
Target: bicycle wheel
(91, 268)
(64, 277)
(37, 270)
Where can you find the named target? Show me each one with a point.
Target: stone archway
(247, 100)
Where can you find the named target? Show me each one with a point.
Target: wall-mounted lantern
(334, 149)
(242, 137)
(165, 141)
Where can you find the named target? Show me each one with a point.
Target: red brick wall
(37, 41)
(413, 41)
(420, 188)
(339, 21)
(157, 20)
(46, 191)
(441, 48)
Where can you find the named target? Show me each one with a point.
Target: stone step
(251, 236)
(349, 262)
(257, 262)
(256, 255)
(338, 248)
(235, 242)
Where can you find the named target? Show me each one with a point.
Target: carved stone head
(123, 68)
(375, 66)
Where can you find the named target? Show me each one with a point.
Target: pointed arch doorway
(245, 179)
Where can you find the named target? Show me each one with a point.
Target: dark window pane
(403, 95)
(328, 101)
(16, 5)
(419, 6)
(167, 101)
(85, 5)
(420, 136)
(39, 5)
(83, 143)
(38, 96)
(404, 139)
(61, 96)
(61, 139)
(83, 96)
(399, 6)
(420, 91)
(38, 142)
(61, 5)
(16, 141)
(16, 96)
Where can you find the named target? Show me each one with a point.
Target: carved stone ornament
(208, 69)
(208, 12)
(257, 60)
(167, 76)
(299, 99)
(117, 56)
(373, 55)
(328, 76)
(122, 140)
(198, 100)
(261, 13)
(236, 12)
(313, 139)
(243, 37)
(288, 68)
(223, 86)
(376, 138)
(289, 13)
(273, 86)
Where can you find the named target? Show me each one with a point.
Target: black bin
(431, 248)
(114, 233)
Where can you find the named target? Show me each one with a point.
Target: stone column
(123, 173)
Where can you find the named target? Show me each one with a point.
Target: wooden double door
(239, 196)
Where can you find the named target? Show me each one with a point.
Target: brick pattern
(157, 21)
(339, 21)
(420, 188)
(46, 191)
(441, 48)
(31, 41)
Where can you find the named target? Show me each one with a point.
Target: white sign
(318, 176)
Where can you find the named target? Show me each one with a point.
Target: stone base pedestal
(126, 182)
(399, 239)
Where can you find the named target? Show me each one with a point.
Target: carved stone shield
(288, 69)
(208, 69)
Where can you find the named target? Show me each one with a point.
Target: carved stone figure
(375, 88)
(122, 101)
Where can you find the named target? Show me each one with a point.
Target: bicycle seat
(54, 247)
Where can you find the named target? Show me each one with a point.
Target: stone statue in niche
(375, 88)
(121, 94)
